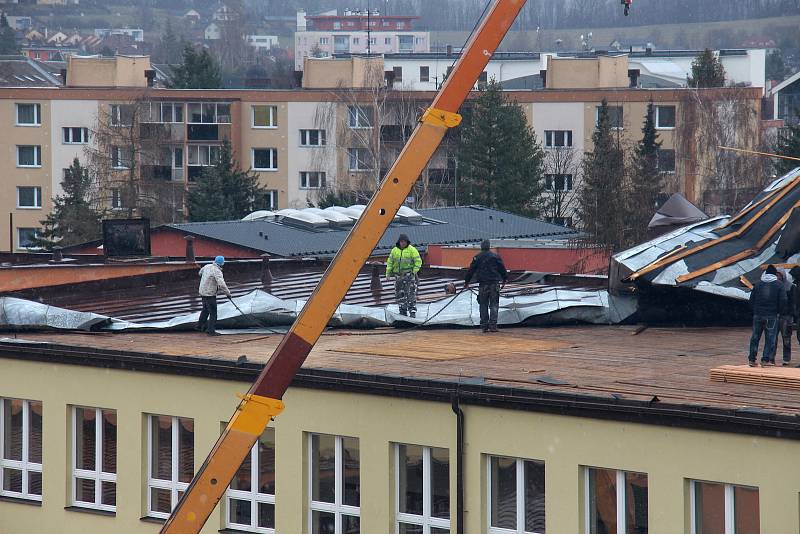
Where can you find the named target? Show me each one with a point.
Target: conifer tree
(707, 70)
(646, 181)
(788, 144)
(224, 192)
(198, 71)
(500, 160)
(8, 38)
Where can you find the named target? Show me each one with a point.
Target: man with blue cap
(211, 282)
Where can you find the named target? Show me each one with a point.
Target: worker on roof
(786, 319)
(768, 299)
(403, 265)
(490, 271)
(211, 282)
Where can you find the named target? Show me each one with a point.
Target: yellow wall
(587, 73)
(669, 456)
(267, 138)
(353, 72)
(118, 71)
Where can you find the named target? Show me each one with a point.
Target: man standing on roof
(490, 271)
(403, 265)
(786, 317)
(768, 299)
(211, 282)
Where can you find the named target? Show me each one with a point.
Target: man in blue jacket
(490, 271)
(768, 300)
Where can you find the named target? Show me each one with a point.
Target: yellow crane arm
(262, 401)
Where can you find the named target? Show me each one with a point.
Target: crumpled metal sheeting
(21, 314)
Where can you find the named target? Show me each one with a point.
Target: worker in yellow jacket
(403, 265)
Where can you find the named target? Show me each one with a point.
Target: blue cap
(219, 260)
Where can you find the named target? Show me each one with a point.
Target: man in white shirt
(211, 282)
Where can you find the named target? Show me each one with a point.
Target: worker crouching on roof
(768, 300)
(211, 282)
(490, 271)
(403, 265)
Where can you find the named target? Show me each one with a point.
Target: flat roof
(655, 376)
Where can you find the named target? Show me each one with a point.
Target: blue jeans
(767, 324)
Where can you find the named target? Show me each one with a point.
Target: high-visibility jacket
(403, 260)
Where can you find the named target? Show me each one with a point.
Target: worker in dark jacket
(490, 271)
(768, 299)
(786, 320)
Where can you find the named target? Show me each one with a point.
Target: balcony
(204, 132)
(162, 173)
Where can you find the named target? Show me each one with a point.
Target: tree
(788, 144)
(224, 192)
(169, 47)
(199, 70)
(775, 67)
(707, 71)
(8, 38)
(73, 219)
(601, 199)
(500, 159)
(646, 181)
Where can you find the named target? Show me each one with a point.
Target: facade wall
(266, 137)
(310, 116)
(384, 42)
(669, 456)
(68, 114)
(499, 69)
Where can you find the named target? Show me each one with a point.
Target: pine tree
(788, 144)
(775, 66)
(707, 71)
(8, 38)
(223, 192)
(169, 48)
(72, 220)
(500, 159)
(601, 200)
(198, 71)
(646, 180)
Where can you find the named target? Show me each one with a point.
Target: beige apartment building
(304, 141)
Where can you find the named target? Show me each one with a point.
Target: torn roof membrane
(724, 255)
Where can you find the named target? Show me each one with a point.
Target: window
(29, 197)
(665, 117)
(75, 135)
(558, 182)
(724, 508)
(251, 496)
(616, 501)
(171, 112)
(418, 40)
(26, 238)
(29, 114)
(312, 180)
(423, 490)
(387, 40)
(121, 114)
(170, 462)
(21, 449)
(359, 159)
(355, 40)
(209, 113)
(516, 496)
(312, 137)
(265, 159)
(398, 73)
(203, 155)
(268, 200)
(94, 458)
(265, 116)
(335, 484)
(666, 160)
(615, 116)
(116, 199)
(424, 73)
(121, 157)
(405, 43)
(323, 40)
(360, 117)
(557, 138)
(372, 40)
(29, 156)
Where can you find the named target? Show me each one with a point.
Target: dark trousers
(489, 302)
(768, 325)
(208, 317)
(785, 327)
(405, 291)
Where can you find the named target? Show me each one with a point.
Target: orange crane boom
(262, 402)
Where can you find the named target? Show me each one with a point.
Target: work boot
(413, 314)
(403, 312)
(493, 328)
(752, 363)
(214, 334)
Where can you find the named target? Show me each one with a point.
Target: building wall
(276, 137)
(305, 41)
(540, 259)
(309, 115)
(669, 456)
(587, 73)
(172, 243)
(68, 114)
(499, 69)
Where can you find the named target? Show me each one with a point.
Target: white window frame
(273, 159)
(254, 497)
(354, 119)
(188, 115)
(567, 137)
(24, 465)
(321, 179)
(37, 156)
(70, 129)
(173, 485)
(115, 114)
(322, 137)
(427, 74)
(37, 115)
(37, 197)
(597, 115)
(116, 199)
(520, 493)
(674, 160)
(272, 123)
(117, 154)
(212, 155)
(622, 519)
(658, 117)
(358, 160)
(336, 508)
(19, 241)
(426, 520)
(98, 475)
(730, 504)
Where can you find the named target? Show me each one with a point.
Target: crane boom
(262, 402)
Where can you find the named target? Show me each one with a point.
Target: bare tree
(130, 158)
(562, 179)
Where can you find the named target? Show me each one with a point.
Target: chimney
(449, 50)
(151, 77)
(543, 74)
(375, 285)
(633, 76)
(64, 76)
(189, 249)
(266, 274)
(58, 255)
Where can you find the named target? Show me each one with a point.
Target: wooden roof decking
(668, 366)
